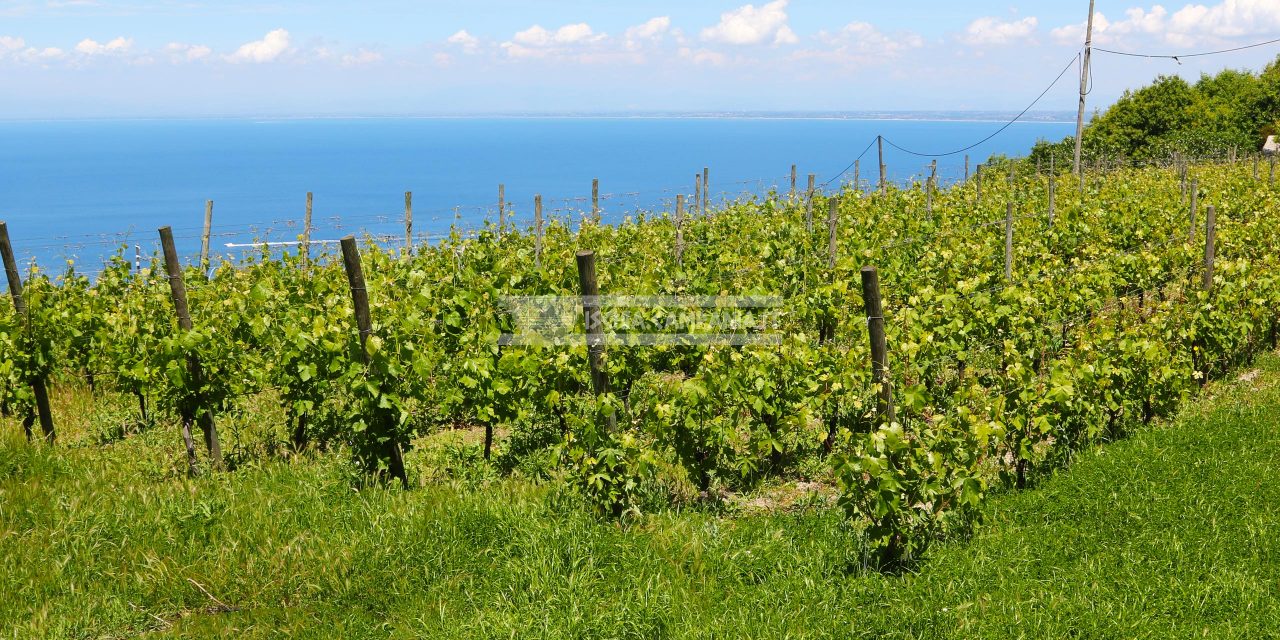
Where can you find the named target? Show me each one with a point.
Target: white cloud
(267, 49)
(539, 42)
(651, 32)
(704, 56)
(1191, 25)
(361, 57)
(179, 52)
(751, 25)
(9, 44)
(464, 40)
(33, 54)
(90, 47)
(859, 43)
(988, 30)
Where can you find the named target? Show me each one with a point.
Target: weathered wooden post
(857, 176)
(966, 167)
(879, 347)
(792, 197)
(594, 325)
(808, 214)
(191, 409)
(204, 237)
(595, 199)
(680, 229)
(306, 231)
(706, 190)
(408, 222)
(502, 209)
(697, 193)
(364, 324)
(1210, 249)
(37, 382)
(537, 231)
(884, 185)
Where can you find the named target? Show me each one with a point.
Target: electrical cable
(1175, 58)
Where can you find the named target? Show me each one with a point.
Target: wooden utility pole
(38, 387)
(1084, 90)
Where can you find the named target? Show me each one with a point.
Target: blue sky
(103, 58)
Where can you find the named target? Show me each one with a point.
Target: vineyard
(1007, 325)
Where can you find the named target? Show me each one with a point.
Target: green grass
(1170, 533)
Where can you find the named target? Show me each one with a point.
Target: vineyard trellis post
(808, 213)
(38, 386)
(706, 190)
(1008, 243)
(364, 324)
(594, 326)
(306, 231)
(1210, 249)
(192, 408)
(792, 196)
(502, 209)
(595, 200)
(1195, 206)
(966, 167)
(680, 229)
(537, 231)
(857, 176)
(879, 348)
(697, 193)
(884, 186)
(408, 222)
(204, 237)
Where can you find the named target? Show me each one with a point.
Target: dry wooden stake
(966, 167)
(1210, 240)
(706, 190)
(595, 199)
(502, 209)
(593, 322)
(408, 222)
(793, 184)
(680, 229)
(306, 231)
(38, 388)
(857, 176)
(364, 324)
(884, 187)
(537, 231)
(204, 238)
(879, 347)
(808, 214)
(697, 192)
(192, 409)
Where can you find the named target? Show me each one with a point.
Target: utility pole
(1084, 87)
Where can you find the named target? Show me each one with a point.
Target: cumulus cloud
(465, 41)
(1192, 24)
(748, 25)
(652, 30)
(539, 42)
(9, 44)
(361, 57)
(704, 56)
(859, 43)
(33, 54)
(267, 49)
(180, 52)
(90, 47)
(988, 30)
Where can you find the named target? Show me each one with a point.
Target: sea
(81, 191)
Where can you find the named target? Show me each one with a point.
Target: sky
(193, 58)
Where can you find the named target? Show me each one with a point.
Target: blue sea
(78, 190)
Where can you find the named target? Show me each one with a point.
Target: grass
(1169, 533)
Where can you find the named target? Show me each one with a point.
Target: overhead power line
(1177, 57)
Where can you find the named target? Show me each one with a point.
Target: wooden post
(833, 213)
(808, 214)
(978, 180)
(204, 237)
(537, 231)
(680, 229)
(933, 173)
(408, 223)
(593, 323)
(884, 187)
(1195, 205)
(1210, 239)
(38, 388)
(857, 176)
(879, 348)
(502, 209)
(1084, 91)
(706, 190)
(697, 191)
(364, 324)
(792, 197)
(191, 410)
(1008, 243)
(595, 199)
(966, 167)
(306, 231)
